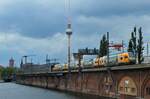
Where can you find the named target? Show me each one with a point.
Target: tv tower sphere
(69, 30)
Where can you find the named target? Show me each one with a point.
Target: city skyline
(38, 27)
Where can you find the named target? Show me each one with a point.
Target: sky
(38, 27)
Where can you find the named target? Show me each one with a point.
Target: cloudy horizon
(38, 27)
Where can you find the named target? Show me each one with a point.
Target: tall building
(11, 62)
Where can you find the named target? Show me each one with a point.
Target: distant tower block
(11, 62)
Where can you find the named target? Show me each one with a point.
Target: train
(116, 60)
(126, 58)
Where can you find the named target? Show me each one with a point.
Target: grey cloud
(44, 18)
(39, 19)
(32, 18)
(105, 8)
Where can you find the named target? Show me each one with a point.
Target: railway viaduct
(123, 82)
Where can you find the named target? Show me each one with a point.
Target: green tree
(132, 46)
(1, 70)
(140, 47)
(136, 45)
(8, 72)
(103, 46)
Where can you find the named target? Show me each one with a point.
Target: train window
(131, 54)
(121, 58)
(125, 56)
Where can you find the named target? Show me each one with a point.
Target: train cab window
(125, 56)
(121, 58)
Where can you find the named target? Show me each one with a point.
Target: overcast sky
(38, 26)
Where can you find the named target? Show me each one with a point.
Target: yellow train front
(114, 60)
(126, 58)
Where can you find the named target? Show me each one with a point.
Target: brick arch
(120, 77)
(127, 85)
(144, 84)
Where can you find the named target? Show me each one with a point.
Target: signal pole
(107, 48)
(122, 46)
(147, 49)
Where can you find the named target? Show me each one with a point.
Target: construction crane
(26, 56)
(53, 60)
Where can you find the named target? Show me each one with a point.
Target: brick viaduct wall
(96, 83)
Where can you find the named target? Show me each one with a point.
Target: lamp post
(147, 49)
(107, 48)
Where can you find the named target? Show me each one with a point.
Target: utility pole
(122, 46)
(47, 60)
(25, 57)
(21, 64)
(147, 49)
(107, 48)
(108, 69)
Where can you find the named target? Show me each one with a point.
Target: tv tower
(69, 33)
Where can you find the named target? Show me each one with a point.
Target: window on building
(107, 79)
(132, 90)
(107, 87)
(121, 88)
(127, 86)
(110, 87)
(148, 90)
(126, 89)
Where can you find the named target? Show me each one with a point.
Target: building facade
(11, 62)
